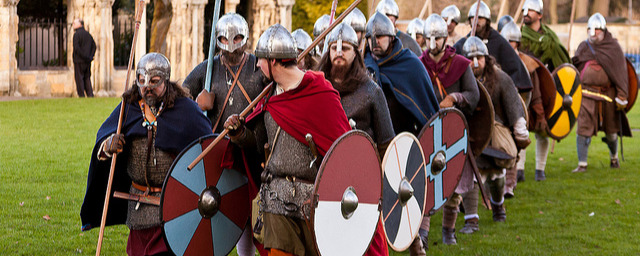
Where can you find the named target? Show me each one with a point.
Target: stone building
(184, 43)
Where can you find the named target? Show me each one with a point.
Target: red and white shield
(348, 191)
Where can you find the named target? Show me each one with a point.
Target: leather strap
(235, 81)
(145, 188)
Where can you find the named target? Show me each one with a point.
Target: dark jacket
(84, 48)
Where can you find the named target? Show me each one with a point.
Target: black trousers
(82, 72)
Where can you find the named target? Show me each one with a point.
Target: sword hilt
(314, 149)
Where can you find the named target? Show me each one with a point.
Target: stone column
(230, 6)
(284, 8)
(8, 39)
(264, 16)
(184, 40)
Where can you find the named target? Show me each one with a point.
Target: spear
(268, 88)
(475, 19)
(334, 6)
(573, 12)
(107, 196)
(212, 48)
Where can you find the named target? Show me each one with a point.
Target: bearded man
(456, 87)
(160, 122)
(300, 103)
(498, 47)
(362, 99)
(404, 80)
(235, 82)
(538, 39)
(509, 116)
(602, 65)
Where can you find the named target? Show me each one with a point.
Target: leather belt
(145, 188)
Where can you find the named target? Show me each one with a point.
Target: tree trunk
(601, 6)
(553, 11)
(162, 14)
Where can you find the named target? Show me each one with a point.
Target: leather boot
(416, 248)
(470, 226)
(448, 235)
(540, 175)
(520, 175)
(499, 213)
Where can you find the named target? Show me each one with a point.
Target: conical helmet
(534, 5)
(474, 47)
(380, 25)
(303, 40)
(451, 13)
(435, 27)
(415, 27)
(343, 33)
(356, 20)
(503, 21)
(596, 21)
(388, 7)
(511, 32)
(276, 43)
(483, 12)
(321, 25)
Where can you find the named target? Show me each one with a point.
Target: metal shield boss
(403, 190)
(481, 121)
(204, 210)
(563, 104)
(347, 195)
(633, 86)
(444, 141)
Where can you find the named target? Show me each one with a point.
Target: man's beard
(527, 20)
(436, 51)
(234, 57)
(477, 72)
(152, 99)
(339, 72)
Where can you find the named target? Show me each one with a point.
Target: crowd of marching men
(366, 75)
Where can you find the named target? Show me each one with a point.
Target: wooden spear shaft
(573, 12)
(475, 19)
(424, 9)
(518, 11)
(268, 88)
(107, 196)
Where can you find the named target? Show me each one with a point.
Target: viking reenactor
(391, 10)
(404, 80)
(303, 40)
(538, 39)
(300, 103)
(415, 29)
(537, 118)
(160, 122)
(605, 84)
(455, 87)
(320, 26)
(235, 83)
(362, 99)
(451, 14)
(357, 21)
(498, 47)
(509, 116)
(504, 20)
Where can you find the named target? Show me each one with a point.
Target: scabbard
(152, 200)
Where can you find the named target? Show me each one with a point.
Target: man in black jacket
(84, 49)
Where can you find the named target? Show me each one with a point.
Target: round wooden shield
(444, 144)
(633, 86)
(566, 102)
(347, 195)
(547, 86)
(481, 121)
(403, 190)
(204, 210)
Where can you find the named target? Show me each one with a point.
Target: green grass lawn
(45, 152)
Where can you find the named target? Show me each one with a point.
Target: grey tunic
(250, 77)
(157, 168)
(367, 106)
(468, 88)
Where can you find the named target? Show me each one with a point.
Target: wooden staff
(212, 48)
(424, 9)
(268, 88)
(573, 12)
(518, 11)
(475, 19)
(105, 209)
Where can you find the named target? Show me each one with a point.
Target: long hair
(173, 91)
(489, 72)
(356, 75)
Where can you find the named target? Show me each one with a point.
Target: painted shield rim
(393, 141)
(442, 113)
(547, 86)
(577, 91)
(315, 198)
(168, 176)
